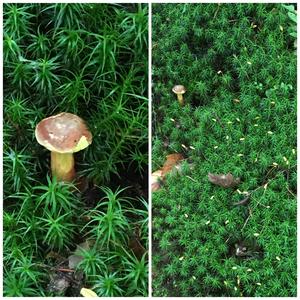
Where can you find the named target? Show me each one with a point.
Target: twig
(270, 171)
(242, 202)
(65, 270)
(56, 268)
(293, 194)
(261, 204)
(191, 178)
(216, 12)
(258, 203)
(250, 215)
(271, 179)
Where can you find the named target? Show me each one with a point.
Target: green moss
(90, 60)
(221, 53)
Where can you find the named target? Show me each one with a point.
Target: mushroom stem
(180, 99)
(62, 166)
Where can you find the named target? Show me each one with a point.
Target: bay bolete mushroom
(63, 134)
(179, 90)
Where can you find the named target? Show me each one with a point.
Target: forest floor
(238, 65)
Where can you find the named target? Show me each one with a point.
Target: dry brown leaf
(158, 176)
(170, 163)
(226, 181)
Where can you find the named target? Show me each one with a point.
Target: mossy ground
(89, 60)
(238, 64)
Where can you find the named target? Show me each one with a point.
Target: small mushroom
(179, 90)
(63, 134)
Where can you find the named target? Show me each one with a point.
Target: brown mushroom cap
(179, 89)
(63, 133)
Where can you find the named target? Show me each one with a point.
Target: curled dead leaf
(226, 181)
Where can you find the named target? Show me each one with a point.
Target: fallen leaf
(83, 246)
(87, 293)
(59, 282)
(155, 186)
(76, 258)
(158, 176)
(172, 161)
(226, 181)
(74, 261)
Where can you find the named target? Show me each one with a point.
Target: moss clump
(238, 64)
(89, 60)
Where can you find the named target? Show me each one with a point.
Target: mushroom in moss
(63, 134)
(179, 90)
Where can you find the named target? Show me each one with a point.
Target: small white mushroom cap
(179, 89)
